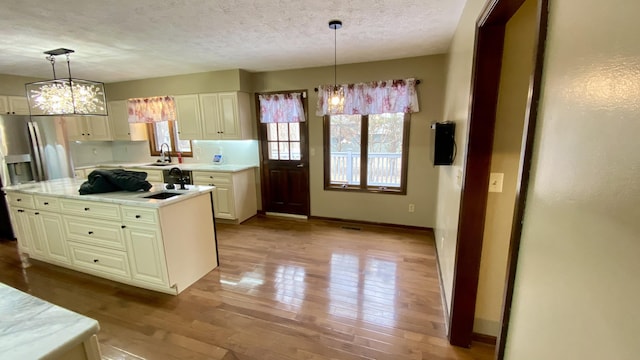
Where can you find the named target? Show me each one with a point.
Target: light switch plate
(495, 182)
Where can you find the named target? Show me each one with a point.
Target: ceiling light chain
(336, 102)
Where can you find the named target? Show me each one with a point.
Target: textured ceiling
(119, 40)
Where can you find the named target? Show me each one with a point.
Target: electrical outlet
(412, 208)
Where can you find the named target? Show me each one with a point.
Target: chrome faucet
(164, 156)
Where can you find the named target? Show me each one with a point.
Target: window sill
(374, 190)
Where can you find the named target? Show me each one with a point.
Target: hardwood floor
(285, 289)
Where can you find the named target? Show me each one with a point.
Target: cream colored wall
(14, 85)
(206, 82)
(422, 177)
(456, 108)
(577, 291)
(517, 64)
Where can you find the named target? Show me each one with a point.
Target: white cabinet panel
(146, 255)
(188, 116)
(56, 243)
(99, 260)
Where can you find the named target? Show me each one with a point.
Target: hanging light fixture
(65, 96)
(336, 101)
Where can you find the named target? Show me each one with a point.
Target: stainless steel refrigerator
(31, 149)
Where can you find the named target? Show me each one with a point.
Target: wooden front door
(285, 166)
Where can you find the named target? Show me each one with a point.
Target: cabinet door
(97, 128)
(75, 128)
(210, 111)
(223, 204)
(21, 228)
(120, 126)
(4, 105)
(188, 117)
(18, 105)
(228, 114)
(36, 232)
(56, 243)
(146, 255)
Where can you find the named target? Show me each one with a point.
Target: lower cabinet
(159, 248)
(234, 197)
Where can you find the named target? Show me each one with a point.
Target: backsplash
(236, 152)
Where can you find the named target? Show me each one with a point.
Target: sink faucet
(164, 156)
(181, 180)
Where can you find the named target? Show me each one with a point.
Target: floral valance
(152, 109)
(281, 108)
(377, 97)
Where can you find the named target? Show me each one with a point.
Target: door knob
(300, 165)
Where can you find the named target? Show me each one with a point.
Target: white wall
(577, 292)
(460, 61)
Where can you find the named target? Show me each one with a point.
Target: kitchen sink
(162, 195)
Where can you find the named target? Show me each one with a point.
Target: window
(380, 141)
(166, 132)
(283, 140)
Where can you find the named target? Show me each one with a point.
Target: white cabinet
(234, 197)
(88, 128)
(56, 243)
(120, 126)
(226, 116)
(14, 105)
(188, 116)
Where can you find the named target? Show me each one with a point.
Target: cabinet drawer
(47, 203)
(99, 260)
(94, 232)
(135, 216)
(90, 208)
(20, 200)
(206, 178)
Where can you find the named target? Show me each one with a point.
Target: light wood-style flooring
(285, 289)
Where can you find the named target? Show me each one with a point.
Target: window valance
(152, 109)
(376, 97)
(281, 108)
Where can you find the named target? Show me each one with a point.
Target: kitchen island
(31, 328)
(165, 242)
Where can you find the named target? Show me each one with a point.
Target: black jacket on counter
(103, 181)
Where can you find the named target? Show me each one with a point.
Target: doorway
(284, 163)
(487, 68)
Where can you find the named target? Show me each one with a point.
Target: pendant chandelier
(336, 102)
(65, 96)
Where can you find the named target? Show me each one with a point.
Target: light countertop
(183, 166)
(31, 328)
(68, 188)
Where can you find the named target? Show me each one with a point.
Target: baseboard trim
(372, 223)
(291, 216)
(443, 295)
(485, 339)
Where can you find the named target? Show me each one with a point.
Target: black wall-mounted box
(443, 139)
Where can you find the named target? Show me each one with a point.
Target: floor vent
(347, 227)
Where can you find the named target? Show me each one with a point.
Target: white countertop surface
(68, 188)
(184, 166)
(31, 328)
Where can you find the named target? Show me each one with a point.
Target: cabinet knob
(20, 210)
(138, 216)
(46, 203)
(123, 226)
(86, 209)
(18, 199)
(90, 232)
(37, 213)
(95, 260)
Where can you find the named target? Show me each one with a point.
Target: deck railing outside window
(384, 169)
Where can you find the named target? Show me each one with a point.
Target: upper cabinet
(14, 105)
(188, 115)
(215, 116)
(88, 128)
(120, 127)
(226, 116)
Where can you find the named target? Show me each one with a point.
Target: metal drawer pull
(46, 203)
(20, 210)
(37, 213)
(90, 232)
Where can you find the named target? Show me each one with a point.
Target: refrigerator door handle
(34, 134)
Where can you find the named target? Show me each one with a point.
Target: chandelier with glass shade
(65, 96)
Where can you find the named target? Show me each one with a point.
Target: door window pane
(283, 132)
(272, 132)
(284, 151)
(295, 151)
(273, 150)
(384, 163)
(294, 131)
